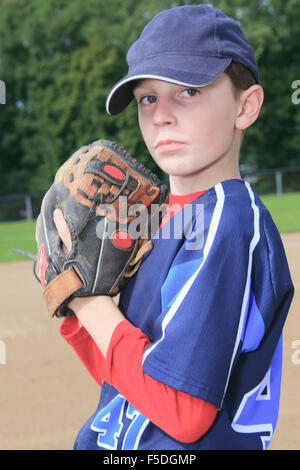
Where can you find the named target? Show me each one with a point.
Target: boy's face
(190, 132)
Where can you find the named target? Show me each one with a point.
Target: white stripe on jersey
(184, 290)
(253, 243)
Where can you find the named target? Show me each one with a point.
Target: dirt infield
(46, 394)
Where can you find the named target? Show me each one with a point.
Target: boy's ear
(250, 103)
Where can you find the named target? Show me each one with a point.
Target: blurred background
(59, 58)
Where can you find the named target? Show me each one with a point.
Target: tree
(60, 58)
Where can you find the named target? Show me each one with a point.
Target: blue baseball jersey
(212, 296)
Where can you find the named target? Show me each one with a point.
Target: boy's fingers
(63, 230)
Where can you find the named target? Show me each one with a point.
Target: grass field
(285, 211)
(20, 235)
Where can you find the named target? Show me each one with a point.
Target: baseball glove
(112, 205)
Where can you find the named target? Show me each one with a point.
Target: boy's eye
(189, 92)
(149, 99)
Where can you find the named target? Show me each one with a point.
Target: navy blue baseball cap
(191, 45)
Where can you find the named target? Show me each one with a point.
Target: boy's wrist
(99, 315)
(82, 305)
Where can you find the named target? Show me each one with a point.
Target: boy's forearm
(183, 417)
(99, 316)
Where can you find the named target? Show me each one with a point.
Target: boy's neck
(182, 186)
(225, 169)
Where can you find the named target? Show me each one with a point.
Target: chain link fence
(20, 207)
(275, 181)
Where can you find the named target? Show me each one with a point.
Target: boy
(191, 357)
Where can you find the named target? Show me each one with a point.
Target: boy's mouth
(168, 145)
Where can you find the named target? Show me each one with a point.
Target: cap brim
(211, 68)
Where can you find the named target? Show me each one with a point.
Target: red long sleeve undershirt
(182, 416)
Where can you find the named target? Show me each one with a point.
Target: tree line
(59, 59)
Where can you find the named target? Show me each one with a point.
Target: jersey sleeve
(181, 416)
(204, 300)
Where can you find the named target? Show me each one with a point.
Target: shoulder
(241, 213)
(226, 223)
(232, 208)
(235, 218)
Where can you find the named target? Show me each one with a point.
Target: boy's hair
(241, 77)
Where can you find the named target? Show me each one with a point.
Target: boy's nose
(164, 114)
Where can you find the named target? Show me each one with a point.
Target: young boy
(191, 356)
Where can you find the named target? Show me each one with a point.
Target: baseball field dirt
(45, 392)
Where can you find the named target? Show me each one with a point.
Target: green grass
(284, 209)
(20, 235)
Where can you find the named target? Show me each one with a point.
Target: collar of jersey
(183, 199)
